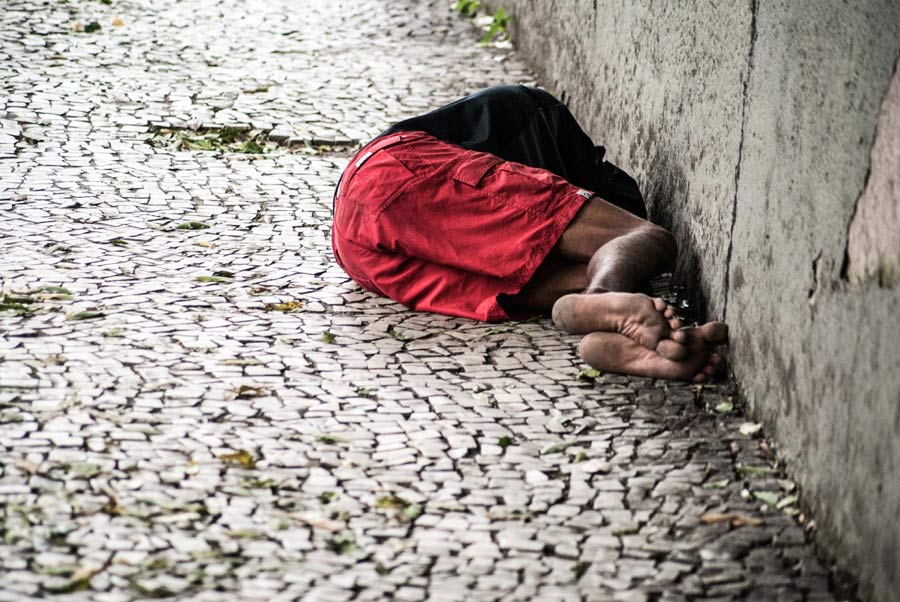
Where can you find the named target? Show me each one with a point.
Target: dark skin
(588, 285)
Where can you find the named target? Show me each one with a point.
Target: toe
(659, 304)
(671, 350)
(699, 378)
(714, 333)
(679, 336)
(675, 324)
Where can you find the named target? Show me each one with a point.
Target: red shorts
(443, 229)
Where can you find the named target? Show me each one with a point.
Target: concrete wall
(766, 134)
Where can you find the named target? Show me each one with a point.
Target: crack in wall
(754, 7)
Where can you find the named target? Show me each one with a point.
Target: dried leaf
(754, 471)
(286, 307)
(240, 457)
(117, 22)
(211, 279)
(750, 428)
(84, 315)
(556, 448)
(249, 392)
(736, 520)
(192, 226)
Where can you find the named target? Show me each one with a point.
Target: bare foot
(648, 322)
(613, 352)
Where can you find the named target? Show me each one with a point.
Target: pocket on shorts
(377, 182)
(471, 170)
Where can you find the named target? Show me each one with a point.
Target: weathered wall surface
(766, 134)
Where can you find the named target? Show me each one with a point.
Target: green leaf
(113, 332)
(84, 315)
(366, 392)
(328, 337)
(724, 407)
(498, 26)
(787, 501)
(330, 439)
(55, 290)
(767, 497)
(326, 497)
(84, 470)
(119, 242)
(398, 335)
(505, 441)
(467, 8)
(223, 274)
(589, 374)
(342, 543)
(411, 512)
(252, 147)
(92, 27)
(211, 279)
(192, 226)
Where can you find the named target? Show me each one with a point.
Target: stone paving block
(197, 403)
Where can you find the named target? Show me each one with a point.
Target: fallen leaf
(249, 392)
(240, 457)
(117, 22)
(754, 471)
(211, 279)
(505, 441)
(204, 243)
(330, 439)
(286, 307)
(736, 520)
(767, 497)
(750, 428)
(722, 484)
(589, 374)
(724, 407)
(328, 337)
(787, 501)
(579, 569)
(92, 27)
(84, 315)
(555, 448)
(398, 335)
(192, 226)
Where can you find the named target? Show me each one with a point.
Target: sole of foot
(614, 352)
(650, 322)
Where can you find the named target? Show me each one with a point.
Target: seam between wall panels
(754, 7)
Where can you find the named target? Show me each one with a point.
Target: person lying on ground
(499, 206)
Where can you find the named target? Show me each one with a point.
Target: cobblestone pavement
(196, 402)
